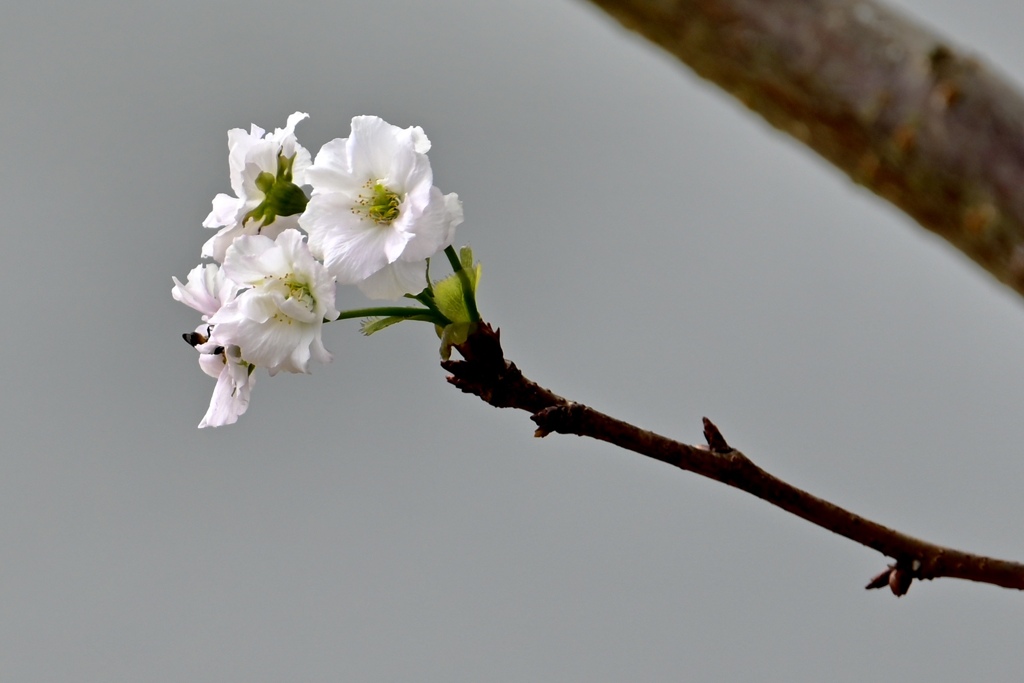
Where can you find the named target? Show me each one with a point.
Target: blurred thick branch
(484, 372)
(891, 104)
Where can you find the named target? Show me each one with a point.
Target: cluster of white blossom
(372, 219)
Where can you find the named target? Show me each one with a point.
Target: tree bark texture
(894, 106)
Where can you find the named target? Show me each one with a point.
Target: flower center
(300, 292)
(291, 288)
(381, 205)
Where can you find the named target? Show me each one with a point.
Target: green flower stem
(467, 286)
(453, 258)
(410, 312)
(426, 297)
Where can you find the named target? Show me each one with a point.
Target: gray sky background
(649, 248)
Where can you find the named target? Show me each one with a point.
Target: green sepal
(453, 334)
(449, 296)
(287, 198)
(282, 196)
(371, 325)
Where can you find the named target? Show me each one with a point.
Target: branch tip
(714, 438)
(897, 577)
(879, 581)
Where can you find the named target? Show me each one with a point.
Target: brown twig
(891, 104)
(484, 372)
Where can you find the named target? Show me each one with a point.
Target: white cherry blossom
(278, 320)
(275, 164)
(234, 385)
(375, 216)
(206, 289)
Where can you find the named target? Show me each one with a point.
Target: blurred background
(649, 248)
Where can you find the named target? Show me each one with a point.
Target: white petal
(356, 249)
(239, 142)
(225, 211)
(216, 247)
(318, 352)
(285, 137)
(266, 345)
(195, 294)
(212, 364)
(257, 305)
(453, 205)
(207, 289)
(261, 157)
(243, 261)
(419, 139)
(373, 147)
(231, 394)
(433, 229)
(330, 172)
(396, 280)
